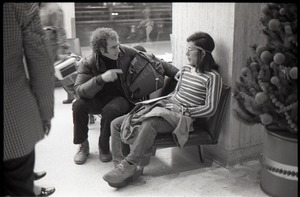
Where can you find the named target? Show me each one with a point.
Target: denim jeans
(109, 107)
(140, 150)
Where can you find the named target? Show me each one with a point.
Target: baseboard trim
(229, 158)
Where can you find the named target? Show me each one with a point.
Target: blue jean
(140, 150)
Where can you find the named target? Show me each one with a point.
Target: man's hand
(173, 107)
(111, 75)
(46, 126)
(177, 76)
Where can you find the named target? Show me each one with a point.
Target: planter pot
(279, 160)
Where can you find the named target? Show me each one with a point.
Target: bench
(206, 130)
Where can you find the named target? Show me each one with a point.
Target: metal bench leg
(200, 153)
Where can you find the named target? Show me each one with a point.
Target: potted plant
(267, 94)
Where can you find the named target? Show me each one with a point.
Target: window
(136, 23)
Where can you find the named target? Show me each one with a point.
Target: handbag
(145, 75)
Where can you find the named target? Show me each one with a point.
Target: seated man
(101, 90)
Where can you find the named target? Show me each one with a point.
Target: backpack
(145, 75)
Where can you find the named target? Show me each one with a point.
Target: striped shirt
(199, 92)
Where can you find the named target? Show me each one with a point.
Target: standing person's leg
(117, 106)
(140, 152)
(18, 176)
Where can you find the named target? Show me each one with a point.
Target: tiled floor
(172, 172)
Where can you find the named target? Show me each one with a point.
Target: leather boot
(82, 153)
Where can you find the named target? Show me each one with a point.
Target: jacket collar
(98, 59)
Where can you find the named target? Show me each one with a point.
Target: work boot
(122, 174)
(105, 157)
(116, 163)
(82, 153)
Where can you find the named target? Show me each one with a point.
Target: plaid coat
(26, 101)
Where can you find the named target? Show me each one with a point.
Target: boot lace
(121, 167)
(81, 146)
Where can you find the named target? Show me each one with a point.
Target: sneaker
(122, 174)
(105, 157)
(82, 153)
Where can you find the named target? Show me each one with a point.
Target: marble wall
(234, 27)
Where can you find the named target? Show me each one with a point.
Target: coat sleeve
(170, 70)
(87, 85)
(39, 60)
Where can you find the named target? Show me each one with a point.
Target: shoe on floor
(82, 153)
(67, 101)
(105, 157)
(122, 174)
(47, 191)
(39, 175)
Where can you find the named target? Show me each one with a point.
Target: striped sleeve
(213, 93)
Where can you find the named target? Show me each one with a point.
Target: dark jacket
(89, 81)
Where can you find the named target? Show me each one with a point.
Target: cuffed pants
(141, 149)
(109, 107)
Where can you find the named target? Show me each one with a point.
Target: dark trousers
(110, 107)
(18, 176)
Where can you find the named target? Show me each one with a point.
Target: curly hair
(205, 41)
(99, 38)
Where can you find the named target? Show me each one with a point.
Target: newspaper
(153, 100)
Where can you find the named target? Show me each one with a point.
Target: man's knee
(116, 108)
(79, 105)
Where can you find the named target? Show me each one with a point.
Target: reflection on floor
(172, 171)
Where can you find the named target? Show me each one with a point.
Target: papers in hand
(153, 100)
